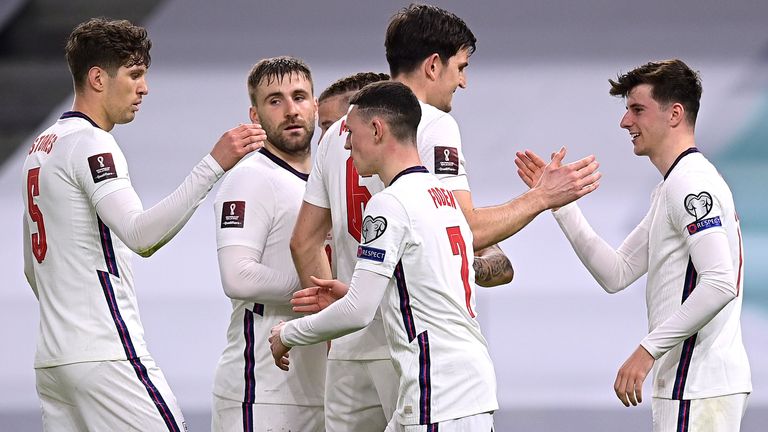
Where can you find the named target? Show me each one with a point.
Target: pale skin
(660, 132)
(114, 99)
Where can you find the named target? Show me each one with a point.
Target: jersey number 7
(39, 243)
(458, 247)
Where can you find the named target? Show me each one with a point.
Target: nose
(463, 80)
(348, 143)
(291, 108)
(626, 121)
(143, 87)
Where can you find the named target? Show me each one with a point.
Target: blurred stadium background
(538, 80)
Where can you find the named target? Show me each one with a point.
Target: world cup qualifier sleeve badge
(699, 206)
(446, 160)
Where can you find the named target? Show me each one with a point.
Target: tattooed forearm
(492, 267)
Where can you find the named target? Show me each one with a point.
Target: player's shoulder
(691, 172)
(431, 115)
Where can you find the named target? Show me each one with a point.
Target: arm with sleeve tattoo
(492, 267)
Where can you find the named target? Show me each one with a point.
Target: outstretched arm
(492, 267)
(146, 231)
(351, 313)
(559, 184)
(613, 269)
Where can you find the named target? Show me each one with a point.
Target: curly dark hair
(351, 83)
(108, 44)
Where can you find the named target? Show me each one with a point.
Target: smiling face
(646, 120)
(286, 110)
(452, 76)
(124, 92)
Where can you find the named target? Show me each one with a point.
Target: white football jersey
(256, 207)
(691, 202)
(415, 233)
(334, 184)
(84, 279)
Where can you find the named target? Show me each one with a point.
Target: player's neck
(401, 158)
(667, 153)
(92, 107)
(415, 84)
(301, 161)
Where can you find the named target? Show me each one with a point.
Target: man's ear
(253, 114)
(676, 114)
(431, 66)
(378, 128)
(97, 78)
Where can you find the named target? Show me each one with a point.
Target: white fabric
(268, 197)
(108, 395)
(227, 416)
(428, 311)
(146, 231)
(364, 395)
(334, 184)
(83, 276)
(716, 414)
(672, 245)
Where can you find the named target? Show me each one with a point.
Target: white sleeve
(716, 288)
(352, 312)
(245, 278)
(440, 151)
(29, 270)
(613, 269)
(316, 192)
(146, 231)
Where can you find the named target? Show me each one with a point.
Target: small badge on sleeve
(373, 228)
(703, 224)
(102, 167)
(233, 214)
(446, 160)
(369, 253)
(699, 205)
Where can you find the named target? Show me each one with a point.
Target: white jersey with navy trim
(694, 201)
(82, 272)
(256, 207)
(334, 184)
(84, 280)
(415, 233)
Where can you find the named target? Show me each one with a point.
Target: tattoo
(489, 268)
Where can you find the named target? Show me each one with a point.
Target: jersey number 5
(39, 244)
(458, 247)
(357, 198)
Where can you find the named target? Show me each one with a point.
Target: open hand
(316, 298)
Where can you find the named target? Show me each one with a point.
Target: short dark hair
(393, 101)
(672, 81)
(108, 44)
(275, 69)
(418, 31)
(351, 83)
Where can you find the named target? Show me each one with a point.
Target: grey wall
(538, 80)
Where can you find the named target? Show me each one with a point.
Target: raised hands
(236, 143)
(316, 298)
(559, 184)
